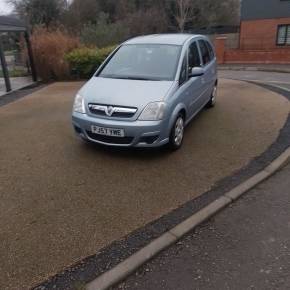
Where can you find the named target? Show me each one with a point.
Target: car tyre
(211, 103)
(177, 133)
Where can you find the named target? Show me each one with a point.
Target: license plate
(107, 131)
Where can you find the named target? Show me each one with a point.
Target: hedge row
(85, 61)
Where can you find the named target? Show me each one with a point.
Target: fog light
(78, 130)
(148, 139)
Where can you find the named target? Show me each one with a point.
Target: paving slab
(62, 200)
(16, 83)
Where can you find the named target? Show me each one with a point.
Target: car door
(196, 84)
(209, 65)
(190, 89)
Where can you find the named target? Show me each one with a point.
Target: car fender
(174, 115)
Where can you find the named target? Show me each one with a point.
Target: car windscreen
(143, 62)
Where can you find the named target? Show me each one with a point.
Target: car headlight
(153, 112)
(79, 104)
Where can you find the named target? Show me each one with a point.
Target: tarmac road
(276, 79)
(62, 200)
(246, 246)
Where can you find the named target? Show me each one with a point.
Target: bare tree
(184, 9)
(39, 12)
(222, 12)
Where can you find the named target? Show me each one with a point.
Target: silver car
(147, 91)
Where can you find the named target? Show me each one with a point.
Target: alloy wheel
(179, 131)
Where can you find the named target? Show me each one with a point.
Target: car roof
(170, 39)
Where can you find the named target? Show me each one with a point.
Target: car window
(210, 49)
(193, 56)
(183, 72)
(205, 54)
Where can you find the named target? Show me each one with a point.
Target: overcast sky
(4, 7)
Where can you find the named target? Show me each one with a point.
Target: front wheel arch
(180, 108)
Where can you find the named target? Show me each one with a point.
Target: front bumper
(137, 133)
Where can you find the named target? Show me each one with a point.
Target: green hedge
(85, 61)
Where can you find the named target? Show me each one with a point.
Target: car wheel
(177, 133)
(211, 103)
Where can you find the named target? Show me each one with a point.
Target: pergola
(11, 24)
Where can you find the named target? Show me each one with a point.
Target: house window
(283, 35)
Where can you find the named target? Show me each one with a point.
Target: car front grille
(110, 139)
(112, 111)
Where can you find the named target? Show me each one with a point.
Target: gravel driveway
(62, 200)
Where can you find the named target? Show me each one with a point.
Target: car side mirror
(196, 72)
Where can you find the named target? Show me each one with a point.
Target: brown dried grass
(49, 48)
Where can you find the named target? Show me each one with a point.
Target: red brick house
(264, 34)
(265, 24)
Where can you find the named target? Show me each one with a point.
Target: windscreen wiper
(129, 78)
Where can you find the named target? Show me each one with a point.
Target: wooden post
(30, 55)
(4, 67)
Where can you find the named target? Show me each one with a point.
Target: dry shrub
(49, 48)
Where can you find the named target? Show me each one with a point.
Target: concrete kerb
(133, 262)
(122, 270)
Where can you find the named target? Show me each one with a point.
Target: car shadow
(128, 152)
